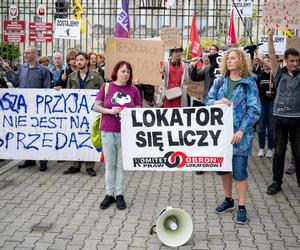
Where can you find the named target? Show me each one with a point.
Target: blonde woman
(237, 87)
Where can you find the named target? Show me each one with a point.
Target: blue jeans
(114, 172)
(239, 168)
(265, 122)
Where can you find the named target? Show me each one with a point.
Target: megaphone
(174, 227)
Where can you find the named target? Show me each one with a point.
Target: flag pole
(187, 50)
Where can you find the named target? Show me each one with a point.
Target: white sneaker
(269, 153)
(261, 152)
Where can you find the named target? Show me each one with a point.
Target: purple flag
(123, 25)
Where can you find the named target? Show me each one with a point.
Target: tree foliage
(9, 51)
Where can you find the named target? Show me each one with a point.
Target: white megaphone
(174, 227)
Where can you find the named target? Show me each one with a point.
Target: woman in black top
(267, 94)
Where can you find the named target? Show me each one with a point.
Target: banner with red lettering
(177, 139)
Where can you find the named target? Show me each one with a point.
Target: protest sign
(67, 29)
(45, 124)
(144, 56)
(279, 45)
(293, 42)
(196, 89)
(244, 7)
(170, 37)
(281, 14)
(177, 139)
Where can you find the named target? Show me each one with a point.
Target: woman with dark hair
(238, 88)
(111, 99)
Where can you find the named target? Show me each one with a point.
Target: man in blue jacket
(29, 75)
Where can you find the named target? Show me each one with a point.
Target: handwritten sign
(44, 124)
(178, 139)
(144, 56)
(281, 14)
(279, 45)
(244, 7)
(170, 37)
(68, 29)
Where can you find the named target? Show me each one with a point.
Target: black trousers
(283, 129)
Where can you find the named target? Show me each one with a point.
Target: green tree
(10, 51)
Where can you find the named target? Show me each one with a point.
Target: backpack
(95, 132)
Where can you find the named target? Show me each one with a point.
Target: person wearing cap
(175, 75)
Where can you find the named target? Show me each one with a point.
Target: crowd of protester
(261, 90)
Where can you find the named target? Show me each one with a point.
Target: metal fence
(147, 17)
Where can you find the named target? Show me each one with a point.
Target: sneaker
(269, 153)
(261, 152)
(241, 217)
(120, 202)
(27, 163)
(291, 169)
(108, 200)
(43, 167)
(91, 172)
(224, 207)
(274, 188)
(72, 170)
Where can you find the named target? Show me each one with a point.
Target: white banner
(67, 29)
(45, 124)
(279, 45)
(244, 7)
(183, 139)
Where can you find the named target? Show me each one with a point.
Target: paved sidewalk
(54, 211)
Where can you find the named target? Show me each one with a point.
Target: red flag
(194, 38)
(231, 32)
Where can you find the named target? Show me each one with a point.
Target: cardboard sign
(67, 29)
(46, 124)
(279, 45)
(244, 7)
(170, 37)
(178, 139)
(196, 89)
(144, 56)
(293, 42)
(280, 14)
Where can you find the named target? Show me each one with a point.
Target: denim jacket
(246, 108)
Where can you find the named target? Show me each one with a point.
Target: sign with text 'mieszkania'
(45, 124)
(177, 139)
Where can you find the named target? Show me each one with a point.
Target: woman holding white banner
(120, 94)
(237, 87)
